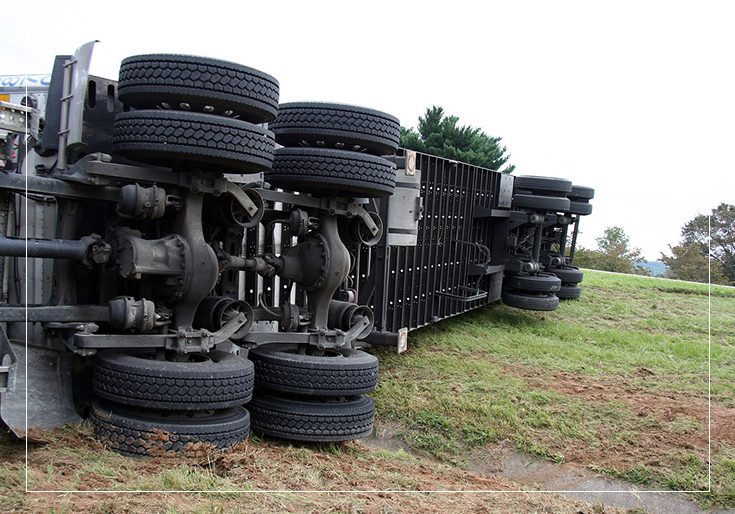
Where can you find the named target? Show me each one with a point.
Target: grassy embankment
(616, 381)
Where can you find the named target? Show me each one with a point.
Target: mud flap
(50, 400)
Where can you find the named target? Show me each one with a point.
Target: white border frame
(390, 491)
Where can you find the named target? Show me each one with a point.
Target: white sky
(636, 99)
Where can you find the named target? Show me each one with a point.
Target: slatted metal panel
(412, 284)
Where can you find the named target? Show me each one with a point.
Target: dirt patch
(260, 466)
(504, 462)
(667, 422)
(646, 402)
(346, 469)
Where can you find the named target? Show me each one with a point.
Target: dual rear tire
(195, 111)
(334, 149)
(541, 194)
(570, 277)
(317, 398)
(579, 200)
(153, 407)
(531, 292)
(157, 407)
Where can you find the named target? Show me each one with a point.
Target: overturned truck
(182, 255)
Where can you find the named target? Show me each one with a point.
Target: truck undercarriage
(184, 259)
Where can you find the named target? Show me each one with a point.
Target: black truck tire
(344, 372)
(540, 203)
(581, 193)
(163, 137)
(204, 85)
(329, 172)
(314, 420)
(569, 292)
(531, 302)
(548, 185)
(541, 283)
(338, 126)
(568, 275)
(215, 380)
(580, 208)
(138, 432)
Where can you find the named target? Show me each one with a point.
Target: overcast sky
(635, 99)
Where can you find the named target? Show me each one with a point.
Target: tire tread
(303, 421)
(169, 135)
(378, 133)
(122, 432)
(334, 376)
(117, 378)
(146, 80)
(326, 171)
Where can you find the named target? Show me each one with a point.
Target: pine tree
(442, 135)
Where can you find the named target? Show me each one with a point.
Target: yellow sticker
(4, 98)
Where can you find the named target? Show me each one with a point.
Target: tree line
(705, 252)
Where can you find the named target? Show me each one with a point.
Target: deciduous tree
(613, 253)
(688, 259)
(688, 263)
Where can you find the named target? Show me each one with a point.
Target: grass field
(616, 382)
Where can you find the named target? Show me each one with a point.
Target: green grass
(493, 375)
(616, 381)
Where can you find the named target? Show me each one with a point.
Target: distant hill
(657, 269)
